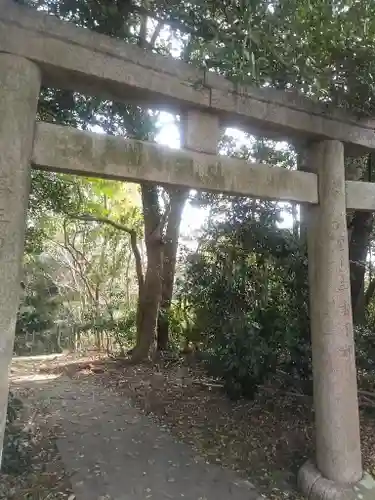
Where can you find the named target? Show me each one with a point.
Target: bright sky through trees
(193, 217)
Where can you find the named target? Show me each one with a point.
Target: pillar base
(316, 487)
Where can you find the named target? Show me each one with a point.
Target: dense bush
(243, 355)
(247, 292)
(37, 331)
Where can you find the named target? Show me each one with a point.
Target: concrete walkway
(114, 452)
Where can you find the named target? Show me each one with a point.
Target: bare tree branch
(133, 239)
(71, 249)
(156, 33)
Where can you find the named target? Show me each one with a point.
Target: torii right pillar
(337, 473)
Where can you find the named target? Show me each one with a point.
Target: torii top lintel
(78, 59)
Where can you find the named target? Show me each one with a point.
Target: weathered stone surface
(360, 195)
(270, 114)
(19, 92)
(200, 131)
(51, 151)
(65, 149)
(316, 487)
(335, 384)
(75, 58)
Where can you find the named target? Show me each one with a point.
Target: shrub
(242, 356)
(247, 292)
(181, 321)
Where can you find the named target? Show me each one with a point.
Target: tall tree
(177, 199)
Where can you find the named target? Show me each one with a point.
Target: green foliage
(79, 270)
(181, 323)
(322, 49)
(365, 348)
(50, 194)
(121, 329)
(124, 329)
(36, 329)
(242, 355)
(16, 458)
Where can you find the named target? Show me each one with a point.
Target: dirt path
(114, 452)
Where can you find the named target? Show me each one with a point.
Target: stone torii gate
(36, 49)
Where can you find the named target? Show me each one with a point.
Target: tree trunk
(296, 224)
(127, 279)
(177, 199)
(150, 292)
(148, 304)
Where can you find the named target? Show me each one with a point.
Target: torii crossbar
(36, 49)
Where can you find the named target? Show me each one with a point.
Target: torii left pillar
(20, 82)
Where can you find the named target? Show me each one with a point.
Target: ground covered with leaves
(36, 471)
(265, 440)
(45, 480)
